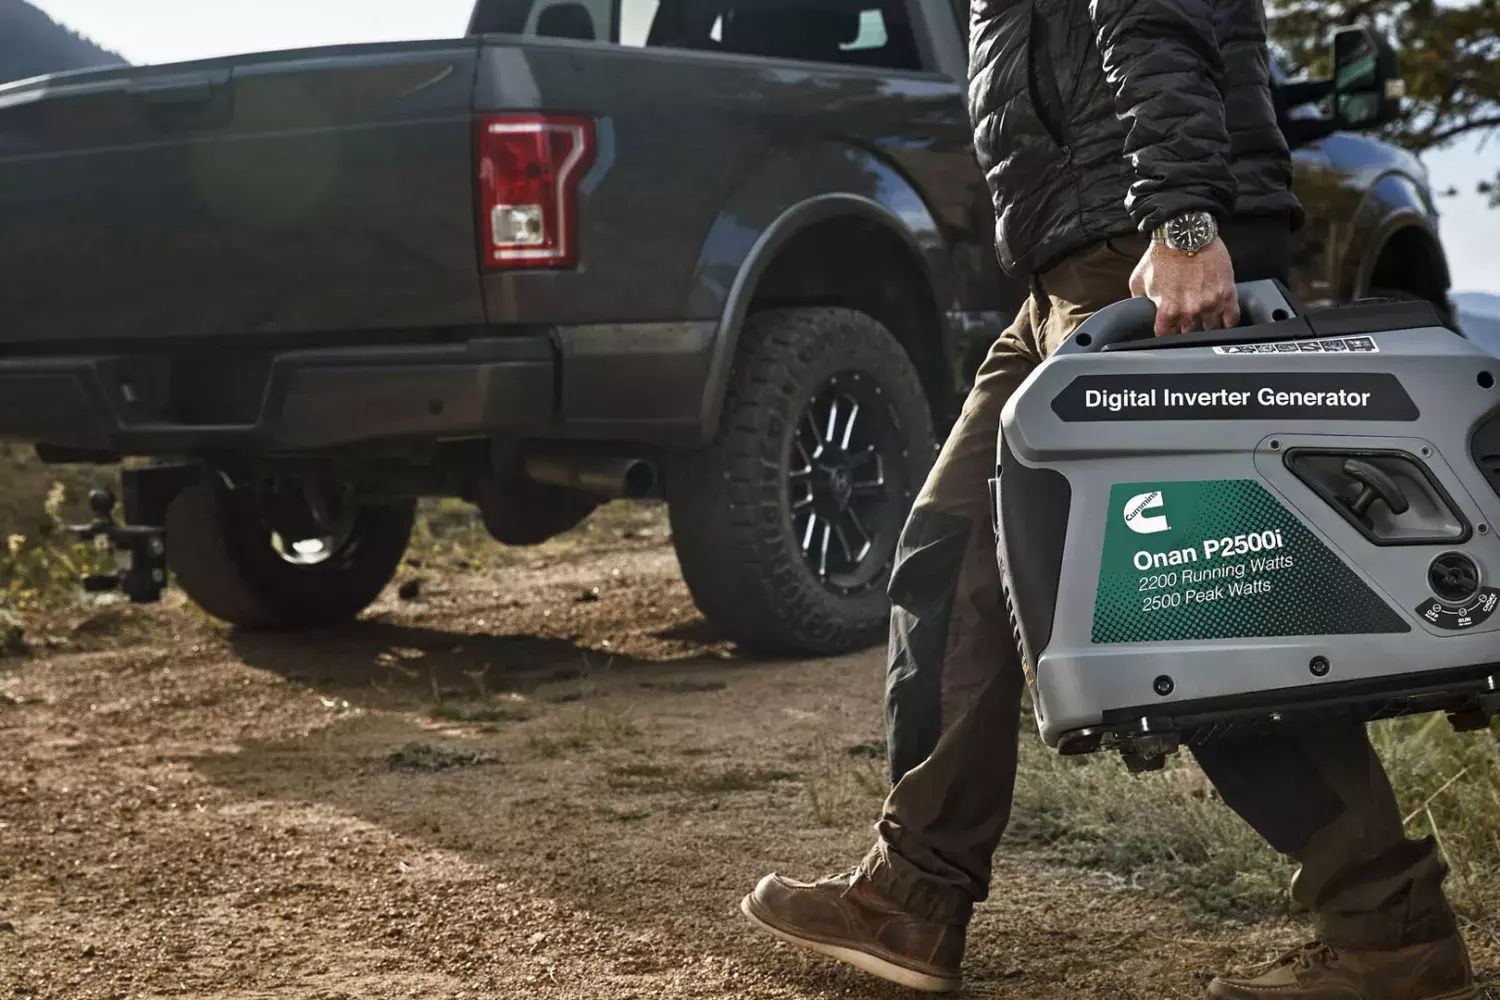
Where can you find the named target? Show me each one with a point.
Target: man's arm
(1162, 59)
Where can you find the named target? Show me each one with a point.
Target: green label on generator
(1222, 559)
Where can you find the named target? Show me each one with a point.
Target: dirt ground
(542, 779)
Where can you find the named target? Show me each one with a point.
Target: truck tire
(221, 552)
(786, 524)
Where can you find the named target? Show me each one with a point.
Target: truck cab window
(874, 33)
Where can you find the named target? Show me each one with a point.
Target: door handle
(180, 91)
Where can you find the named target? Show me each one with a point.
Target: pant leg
(953, 687)
(954, 683)
(1321, 795)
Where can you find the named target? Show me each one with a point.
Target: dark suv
(736, 253)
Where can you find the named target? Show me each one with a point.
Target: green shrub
(45, 571)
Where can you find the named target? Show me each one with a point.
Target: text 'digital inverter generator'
(1245, 528)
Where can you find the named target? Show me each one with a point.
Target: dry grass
(846, 788)
(1449, 785)
(1168, 831)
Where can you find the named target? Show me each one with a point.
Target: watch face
(1192, 232)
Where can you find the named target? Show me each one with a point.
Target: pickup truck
(736, 254)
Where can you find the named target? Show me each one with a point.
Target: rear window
(875, 33)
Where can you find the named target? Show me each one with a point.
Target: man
(1119, 137)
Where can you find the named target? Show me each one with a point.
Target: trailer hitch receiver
(145, 576)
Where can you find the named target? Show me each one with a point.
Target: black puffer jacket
(1092, 120)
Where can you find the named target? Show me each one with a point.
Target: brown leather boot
(843, 917)
(1436, 971)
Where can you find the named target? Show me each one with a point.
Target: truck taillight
(529, 170)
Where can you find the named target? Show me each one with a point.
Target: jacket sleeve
(1162, 59)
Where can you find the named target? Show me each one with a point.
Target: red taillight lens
(529, 170)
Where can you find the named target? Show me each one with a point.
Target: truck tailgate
(308, 192)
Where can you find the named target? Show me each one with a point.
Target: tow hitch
(143, 539)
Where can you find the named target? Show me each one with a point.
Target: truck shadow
(395, 667)
(624, 802)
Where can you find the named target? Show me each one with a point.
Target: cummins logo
(1140, 522)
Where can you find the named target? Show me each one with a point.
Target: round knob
(1454, 578)
(102, 502)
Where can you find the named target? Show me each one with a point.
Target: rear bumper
(309, 400)
(597, 383)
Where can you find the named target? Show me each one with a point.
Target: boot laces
(1315, 954)
(852, 877)
(1303, 957)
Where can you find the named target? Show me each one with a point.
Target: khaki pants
(954, 685)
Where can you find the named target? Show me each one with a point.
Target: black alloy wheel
(845, 492)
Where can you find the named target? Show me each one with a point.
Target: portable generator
(1241, 528)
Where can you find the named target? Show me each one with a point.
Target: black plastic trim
(1371, 698)
(1290, 329)
(1484, 448)
(1455, 690)
(1344, 321)
(1033, 507)
(1374, 317)
(1359, 525)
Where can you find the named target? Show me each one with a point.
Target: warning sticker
(1338, 345)
(1222, 559)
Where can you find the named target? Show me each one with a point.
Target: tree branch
(1437, 138)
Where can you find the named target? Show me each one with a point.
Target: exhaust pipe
(608, 477)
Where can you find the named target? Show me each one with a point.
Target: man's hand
(1191, 293)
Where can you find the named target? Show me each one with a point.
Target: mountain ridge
(33, 44)
(1479, 318)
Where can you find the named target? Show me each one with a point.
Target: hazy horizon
(165, 31)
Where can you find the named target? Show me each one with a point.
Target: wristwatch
(1189, 233)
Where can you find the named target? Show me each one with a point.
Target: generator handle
(1261, 302)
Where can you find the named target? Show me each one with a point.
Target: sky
(164, 31)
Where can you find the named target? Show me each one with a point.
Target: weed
(605, 727)
(640, 776)
(644, 776)
(586, 730)
(688, 686)
(427, 757)
(844, 792)
(46, 570)
(739, 779)
(491, 710)
(623, 815)
(12, 635)
(641, 769)
(544, 746)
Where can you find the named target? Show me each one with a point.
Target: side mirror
(1367, 85)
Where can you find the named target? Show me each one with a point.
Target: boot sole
(861, 960)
